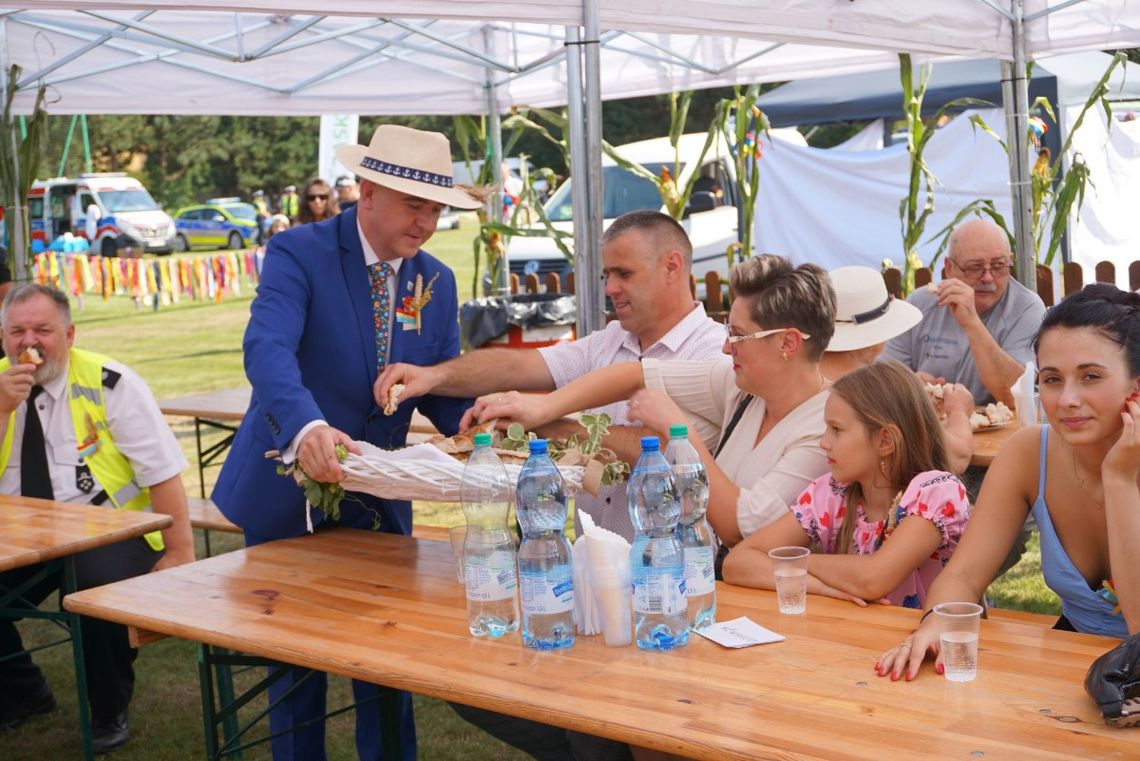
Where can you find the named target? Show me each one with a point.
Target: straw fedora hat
(408, 160)
(865, 314)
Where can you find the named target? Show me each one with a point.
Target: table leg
(201, 463)
(207, 456)
(13, 605)
(221, 708)
(80, 667)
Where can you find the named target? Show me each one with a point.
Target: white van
(113, 211)
(710, 220)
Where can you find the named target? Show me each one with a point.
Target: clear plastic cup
(458, 534)
(790, 566)
(1027, 409)
(958, 624)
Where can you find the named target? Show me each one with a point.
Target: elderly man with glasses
(978, 323)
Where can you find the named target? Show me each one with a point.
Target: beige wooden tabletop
(387, 609)
(35, 530)
(232, 403)
(987, 443)
(225, 404)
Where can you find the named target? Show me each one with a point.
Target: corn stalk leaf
(977, 207)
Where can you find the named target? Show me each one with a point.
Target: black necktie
(35, 479)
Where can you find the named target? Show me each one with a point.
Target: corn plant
(920, 189)
(1053, 201)
(675, 198)
(741, 122)
(489, 245)
(20, 161)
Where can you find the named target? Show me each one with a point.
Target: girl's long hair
(888, 396)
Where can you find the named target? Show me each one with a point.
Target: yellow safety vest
(289, 205)
(110, 468)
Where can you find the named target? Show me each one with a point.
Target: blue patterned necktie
(379, 273)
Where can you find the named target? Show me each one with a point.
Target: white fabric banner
(838, 207)
(336, 130)
(1108, 228)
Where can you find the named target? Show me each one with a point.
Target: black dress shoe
(108, 734)
(13, 716)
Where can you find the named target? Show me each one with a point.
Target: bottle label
(491, 577)
(546, 592)
(659, 594)
(700, 574)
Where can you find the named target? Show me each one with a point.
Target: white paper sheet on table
(739, 632)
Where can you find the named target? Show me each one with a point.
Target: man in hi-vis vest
(79, 427)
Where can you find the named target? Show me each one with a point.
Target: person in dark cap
(347, 191)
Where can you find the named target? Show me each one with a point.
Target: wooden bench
(204, 514)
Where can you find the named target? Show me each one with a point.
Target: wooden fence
(718, 295)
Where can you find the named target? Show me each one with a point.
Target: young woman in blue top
(1079, 475)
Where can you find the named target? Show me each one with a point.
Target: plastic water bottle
(546, 573)
(489, 549)
(694, 532)
(657, 561)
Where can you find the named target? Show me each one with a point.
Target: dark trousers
(544, 742)
(107, 654)
(305, 702)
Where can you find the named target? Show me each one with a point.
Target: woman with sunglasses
(767, 403)
(318, 202)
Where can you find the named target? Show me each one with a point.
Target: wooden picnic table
(42, 531)
(387, 609)
(988, 443)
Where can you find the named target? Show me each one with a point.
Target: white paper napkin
(607, 552)
(739, 632)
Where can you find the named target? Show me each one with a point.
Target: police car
(218, 223)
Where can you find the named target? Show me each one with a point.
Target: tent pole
(580, 188)
(1015, 100)
(591, 293)
(495, 146)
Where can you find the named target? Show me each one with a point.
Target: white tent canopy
(436, 56)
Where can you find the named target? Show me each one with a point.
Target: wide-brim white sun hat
(410, 161)
(865, 314)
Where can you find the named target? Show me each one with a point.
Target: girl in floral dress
(888, 475)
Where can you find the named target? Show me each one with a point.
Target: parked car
(711, 218)
(448, 219)
(112, 210)
(218, 223)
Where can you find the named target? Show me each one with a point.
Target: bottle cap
(482, 439)
(538, 446)
(650, 444)
(678, 431)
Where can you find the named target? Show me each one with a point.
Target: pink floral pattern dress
(935, 496)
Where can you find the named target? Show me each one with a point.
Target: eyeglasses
(975, 271)
(763, 334)
(317, 197)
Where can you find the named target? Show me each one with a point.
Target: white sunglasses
(764, 334)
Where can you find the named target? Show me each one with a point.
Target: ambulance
(112, 210)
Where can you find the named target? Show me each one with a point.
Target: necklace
(1081, 483)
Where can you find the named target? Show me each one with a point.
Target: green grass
(192, 347)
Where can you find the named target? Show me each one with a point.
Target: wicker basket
(395, 476)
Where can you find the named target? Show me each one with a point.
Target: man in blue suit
(337, 302)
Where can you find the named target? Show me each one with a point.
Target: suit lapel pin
(410, 312)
